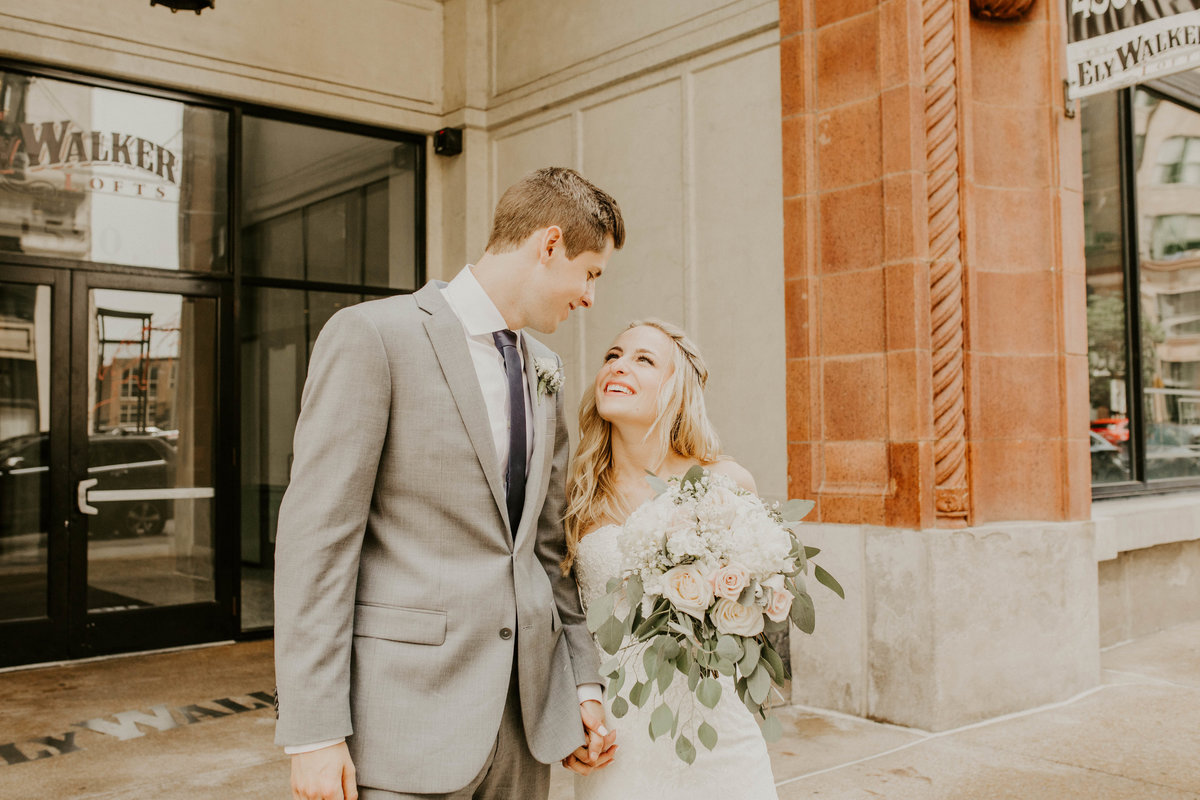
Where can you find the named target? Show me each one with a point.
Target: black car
(117, 462)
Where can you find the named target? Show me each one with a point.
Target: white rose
(688, 590)
(718, 508)
(780, 605)
(735, 618)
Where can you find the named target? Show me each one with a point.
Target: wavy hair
(681, 425)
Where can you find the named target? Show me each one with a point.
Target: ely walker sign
(1116, 43)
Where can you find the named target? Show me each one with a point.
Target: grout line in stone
(1150, 679)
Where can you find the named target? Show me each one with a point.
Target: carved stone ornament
(1003, 10)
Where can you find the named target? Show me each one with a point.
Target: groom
(426, 643)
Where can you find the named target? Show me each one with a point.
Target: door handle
(84, 485)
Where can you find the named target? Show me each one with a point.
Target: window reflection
(1168, 196)
(117, 177)
(1106, 309)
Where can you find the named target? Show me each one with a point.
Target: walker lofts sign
(153, 170)
(1116, 43)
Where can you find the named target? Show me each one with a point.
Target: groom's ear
(551, 241)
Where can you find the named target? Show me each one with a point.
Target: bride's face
(635, 368)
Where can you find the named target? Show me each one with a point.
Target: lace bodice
(597, 560)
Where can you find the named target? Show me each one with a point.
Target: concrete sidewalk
(193, 724)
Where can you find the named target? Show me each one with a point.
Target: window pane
(109, 176)
(352, 196)
(280, 328)
(1169, 274)
(1105, 291)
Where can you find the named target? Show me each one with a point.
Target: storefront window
(1144, 356)
(116, 177)
(1106, 310)
(328, 206)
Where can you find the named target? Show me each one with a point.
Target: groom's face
(564, 284)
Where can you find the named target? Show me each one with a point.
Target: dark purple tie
(506, 343)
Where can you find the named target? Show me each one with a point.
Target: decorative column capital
(1002, 10)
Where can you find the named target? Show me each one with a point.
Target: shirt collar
(472, 306)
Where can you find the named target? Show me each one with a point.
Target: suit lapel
(450, 345)
(538, 475)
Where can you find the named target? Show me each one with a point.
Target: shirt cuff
(590, 691)
(297, 749)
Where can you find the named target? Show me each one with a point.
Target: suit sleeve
(322, 520)
(552, 547)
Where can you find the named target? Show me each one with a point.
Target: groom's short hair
(558, 196)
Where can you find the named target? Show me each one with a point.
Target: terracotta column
(936, 352)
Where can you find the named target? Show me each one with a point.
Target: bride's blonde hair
(681, 425)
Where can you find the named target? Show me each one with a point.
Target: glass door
(147, 452)
(34, 501)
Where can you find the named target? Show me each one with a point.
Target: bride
(646, 413)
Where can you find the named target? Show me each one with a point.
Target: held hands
(601, 742)
(325, 774)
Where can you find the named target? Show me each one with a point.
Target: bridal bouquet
(708, 569)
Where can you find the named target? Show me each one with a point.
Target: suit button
(506, 633)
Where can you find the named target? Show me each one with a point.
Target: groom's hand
(601, 744)
(325, 774)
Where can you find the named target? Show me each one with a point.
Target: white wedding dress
(738, 767)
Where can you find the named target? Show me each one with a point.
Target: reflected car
(1108, 461)
(1172, 451)
(1114, 429)
(124, 462)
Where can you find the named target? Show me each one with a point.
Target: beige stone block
(828, 667)
(1163, 586)
(1114, 605)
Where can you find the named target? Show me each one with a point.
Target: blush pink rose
(688, 590)
(779, 605)
(735, 618)
(730, 580)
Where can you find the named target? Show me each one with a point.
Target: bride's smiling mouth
(613, 387)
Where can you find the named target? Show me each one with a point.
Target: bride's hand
(601, 744)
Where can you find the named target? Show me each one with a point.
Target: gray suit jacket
(396, 573)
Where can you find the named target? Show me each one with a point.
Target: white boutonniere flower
(549, 375)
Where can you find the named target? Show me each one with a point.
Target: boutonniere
(549, 375)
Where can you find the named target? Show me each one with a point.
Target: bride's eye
(647, 359)
(610, 356)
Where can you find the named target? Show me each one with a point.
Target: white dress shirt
(480, 319)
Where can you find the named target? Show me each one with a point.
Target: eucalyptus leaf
(612, 585)
(747, 595)
(771, 729)
(620, 707)
(771, 626)
(615, 685)
(634, 590)
(755, 708)
(683, 662)
(666, 674)
(775, 663)
(803, 613)
(728, 647)
(610, 666)
(693, 676)
(725, 666)
(709, 692)
(796, 510)
(599, 611)
(661, 721)
(656, 483)
(809, 552)
(693, 475)
(828, 580)
(758, 685)
(639, 694)
(670, 648)
(707, 735)
(750, 658)
(685, 750)
(650, 661)
(610, 635)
